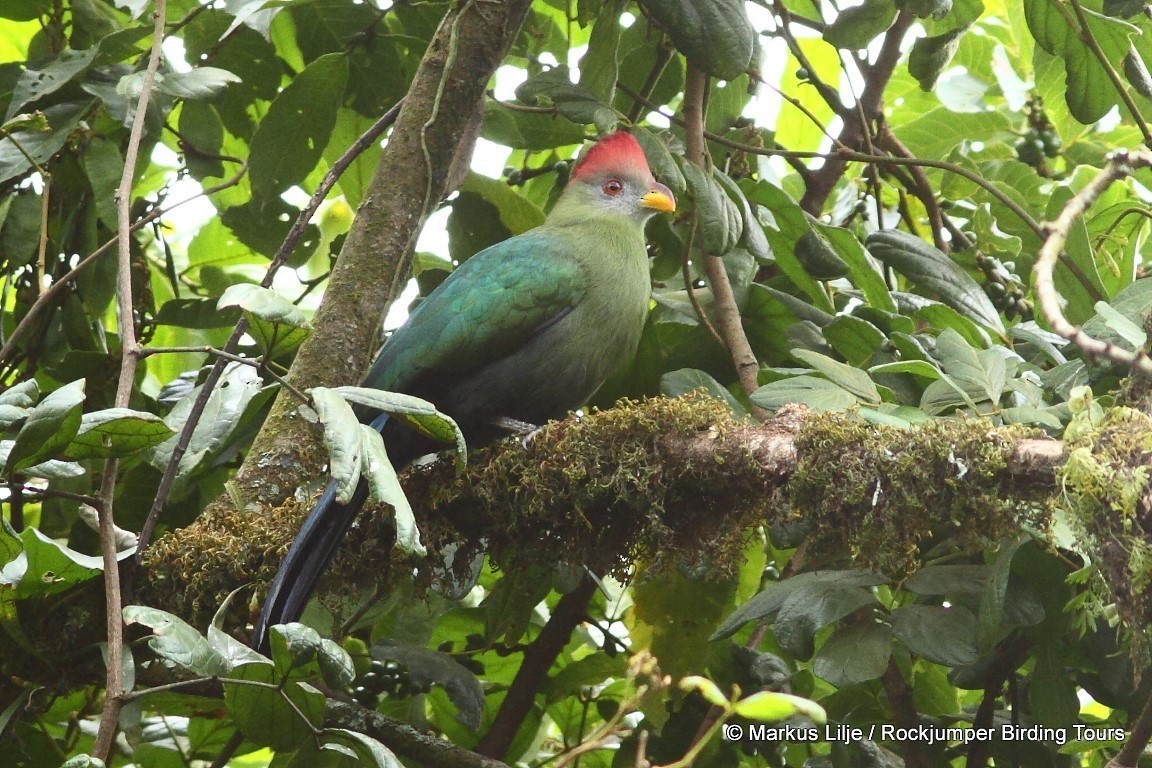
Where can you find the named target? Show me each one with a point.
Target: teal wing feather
(492, 305)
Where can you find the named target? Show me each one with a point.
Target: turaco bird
(527, 329)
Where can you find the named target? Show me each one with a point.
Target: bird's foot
(525, 430)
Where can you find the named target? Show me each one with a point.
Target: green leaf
(995, 595)
(923, 9)
(931, 270)
(818, 257)
(22, 395)
(771, 707)
(342, 439)
(855, 653)
(35, 84)
(179, 642)
(846, 377)
(942, 635)
(278, 325)
(528, 130)
(855, 27)
(516, 212)
(553, 88)
(948, 580)
(291, 138)
(706, 688)
(117, 432)
(49, 428)
(227, 647)
(719, 222)
(418, 414)
(223, 415)
(914, 367)
(268, 716)
(201, 83)
(1089, 90)
(385, 487)
(685, 380)
(47, 567)
(39, 145)
(1133, 303)
(367, 750)
(931, 55)
(715, 35)
(599, 67)
(771, 599)
(857, 340)
(812, 607)
(336, 665)
(818, 394)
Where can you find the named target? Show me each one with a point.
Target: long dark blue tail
(309, 555)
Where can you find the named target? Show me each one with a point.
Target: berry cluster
(384, 679)
(1040, 141)
(1005, 288)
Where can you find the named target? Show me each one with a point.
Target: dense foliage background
(864, 195)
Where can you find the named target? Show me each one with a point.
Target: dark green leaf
(847, 377)
(943, 635)
(931, 270)
(1089, 91)
(948, 580)
(855, 27)
(818, 394)
(292, 136)
(177, 641)
(263, 713)
(857, 340)
(715, 35)
(931, 55)
(685, 380)
(49, 428)
(117, 432)
(599, 67)
(202, 83)
(855, 653)
(812, 607)
(770, 600)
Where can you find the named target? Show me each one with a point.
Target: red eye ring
(613, 187)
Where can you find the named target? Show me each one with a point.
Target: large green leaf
(855, 653)
(292, 136)
(930, 269)
(943, 635)
(856, 26)
(715, 35)
(1089, 92)
(852, 379)
(49, 429)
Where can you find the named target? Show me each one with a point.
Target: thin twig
(692, 297)
(257, 364)
(724, 300)
(129, 358)
(1120, 165)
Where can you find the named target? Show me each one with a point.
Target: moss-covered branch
(667, 480)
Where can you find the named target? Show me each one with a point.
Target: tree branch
(1120, 165)
(129, 359)
(569, 613)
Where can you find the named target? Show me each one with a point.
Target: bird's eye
(613, 187)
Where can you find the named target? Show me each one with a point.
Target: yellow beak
(659, 198)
